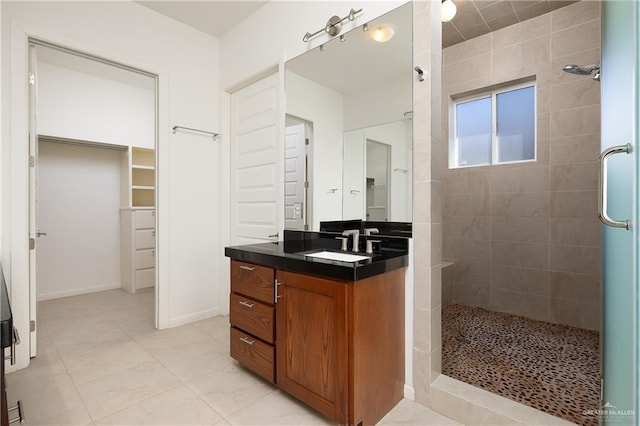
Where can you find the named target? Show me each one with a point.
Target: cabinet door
(311, 342)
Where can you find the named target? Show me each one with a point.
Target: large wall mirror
(348, 148)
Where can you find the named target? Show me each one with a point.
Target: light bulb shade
(448, 10)
(382, 34)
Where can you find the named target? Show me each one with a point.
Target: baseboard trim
(77, 292)
(409, 392)
(196, 316)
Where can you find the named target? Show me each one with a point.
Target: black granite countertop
(289, 255)
(6, 318)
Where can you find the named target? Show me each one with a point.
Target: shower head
(583, 70)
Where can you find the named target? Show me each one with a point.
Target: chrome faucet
(370, 231)
(356, 238)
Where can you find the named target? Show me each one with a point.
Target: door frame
(15, 179)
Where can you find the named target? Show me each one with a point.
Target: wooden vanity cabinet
(252, 317)
(340, 345)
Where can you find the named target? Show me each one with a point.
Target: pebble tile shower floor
(550, 367)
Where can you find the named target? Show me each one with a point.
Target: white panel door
(256, 163)
(294, 177)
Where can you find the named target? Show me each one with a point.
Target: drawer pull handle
(247, 341)
(248, 268)
(247, 304)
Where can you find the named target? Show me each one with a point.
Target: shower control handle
(603, 214)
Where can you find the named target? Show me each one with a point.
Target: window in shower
(494, 127)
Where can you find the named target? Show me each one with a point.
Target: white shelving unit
(138, 220)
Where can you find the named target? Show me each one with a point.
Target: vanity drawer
(253, 317)
(145, 278)
(252, 280)
(145, 239)
(253, 353)
(145, 219)
(145, 259)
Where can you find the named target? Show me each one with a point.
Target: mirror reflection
(348, 126)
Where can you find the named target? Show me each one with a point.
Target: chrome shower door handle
(603, 214)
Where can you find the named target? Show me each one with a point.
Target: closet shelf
(142, 167)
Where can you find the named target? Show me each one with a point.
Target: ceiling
(478, 17)
(210, 16)
(474, 17)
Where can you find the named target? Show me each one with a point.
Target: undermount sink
(343, 257)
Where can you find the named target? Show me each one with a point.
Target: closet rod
(213, 134)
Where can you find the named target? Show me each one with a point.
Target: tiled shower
(524, 238)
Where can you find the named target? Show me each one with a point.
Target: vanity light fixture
(448, 10)
(334, 25)
(382, 34)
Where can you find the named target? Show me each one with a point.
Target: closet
(105, 116)
(138, 219)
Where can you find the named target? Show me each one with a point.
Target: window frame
(492, 93)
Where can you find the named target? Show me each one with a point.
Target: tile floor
(553, 368)
(101, 362)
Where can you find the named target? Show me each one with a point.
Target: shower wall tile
(577, 314)
(474, 68)
(422, 203)
(466, 182)
(577, 121)
(521, 178)
(436, 287)
(574, 204)
(576, 287)
(468, 227)
(543, 133)
(472, 273)
(543, 97)
(575, 149)
(524, 229)
(521, 59)
(471, 295)
(531, 28)
(467, 205)
(582, 11)
(576, 231)
(576, 38)
(530, 255)
(464, 51)
(543, 240)
(463, 249)
(536, 307)
(422, 336)
(520, 280)
(574, 177)
(585, 260)
(574, 94)
(520, 204)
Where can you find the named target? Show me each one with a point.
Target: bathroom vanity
(329, 332)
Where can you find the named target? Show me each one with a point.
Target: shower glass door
(619, 265)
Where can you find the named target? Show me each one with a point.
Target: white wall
(399, 136)
(78, 105)
(274, 32)
(187, 62)
(323, 108)
(383, 103)
(78, 208)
